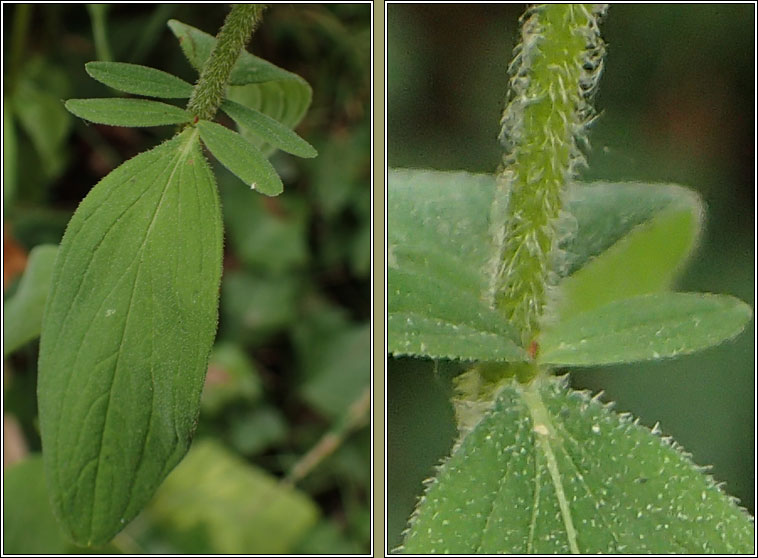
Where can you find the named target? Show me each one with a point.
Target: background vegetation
(677, 105)
(292, 355)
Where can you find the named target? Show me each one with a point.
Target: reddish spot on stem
(533, 349)
(194, 121)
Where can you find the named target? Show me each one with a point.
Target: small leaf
(438, 245)
(643, 328)
(22, 318)
(127, 112)
(268, 129)
(240, 508)
(241, 158)
(126, 333)
(551, 471)
(197, 46)
(139, 80)
(255, 83)
(653, 230)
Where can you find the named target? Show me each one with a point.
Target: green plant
(132, 311)
(561, 274)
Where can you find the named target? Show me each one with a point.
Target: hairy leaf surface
(241, 157)
(643, 328)
(127, 112)
(139, 80)
(439, 238)
(254, 83)
(22, 315)
(550, 471)
(276, 134)
(128, 326)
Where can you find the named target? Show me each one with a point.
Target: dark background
(677, 106)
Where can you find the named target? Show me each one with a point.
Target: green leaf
(127, 112)
(29, 526)
(22, 318)
(241, 158)
(127, 329)
(551, 471)
(643, 328)
(240, 508)
(255, 83)
(438, 237)
(267, 128)
(632, 239)
(438, 245)
(139, 80)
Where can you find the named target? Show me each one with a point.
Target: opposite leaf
(268, 129)
(241, 158)
(139, 80)
(127, 329)
(643, 328)
(127, 112)
(551, 471)
(22, 318)
(254, 83)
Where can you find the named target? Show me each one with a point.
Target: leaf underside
(439, 246)
(128, 326)
(550, 471)
(652, 326)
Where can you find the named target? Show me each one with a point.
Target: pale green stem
(554, 73)
(230, 41)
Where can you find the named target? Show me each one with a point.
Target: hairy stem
(553, 76)
(234, 35)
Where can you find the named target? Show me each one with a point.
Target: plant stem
(553, 75)
(234, 35)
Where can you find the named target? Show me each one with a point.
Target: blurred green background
(292, 356)
(676, 105)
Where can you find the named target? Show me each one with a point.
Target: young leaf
(551, 471)
(139, 80)
(127, 112)
(269, 129)
(255, 83)
(22, 318)
(642, 328)
(241, 158)
(437, 247)
(127, 329)
(648, 232)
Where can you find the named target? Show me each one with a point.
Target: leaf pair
(239, 155)
(628, 242)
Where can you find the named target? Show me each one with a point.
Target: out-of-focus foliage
(675, 104)
(292, 351)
